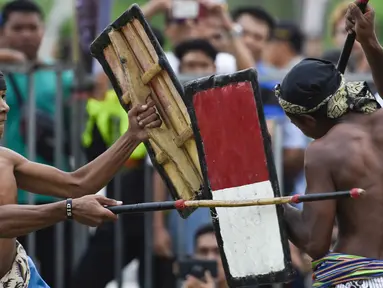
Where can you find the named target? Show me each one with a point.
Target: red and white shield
(234, 149)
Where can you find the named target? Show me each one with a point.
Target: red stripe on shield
(232, 139)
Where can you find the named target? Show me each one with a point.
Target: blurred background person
(216, 21)
(302, 265)
(196, 57)
(206, 248)
(294, 144)
(219, 22)
(257, 28)
(22, 29)
(285, 48)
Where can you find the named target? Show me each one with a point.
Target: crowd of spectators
(220, 42)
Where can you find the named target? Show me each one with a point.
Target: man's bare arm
(19, 220)
(89, 179)
(155, 7)
(237, 47)
(242, 54)
(310, 229)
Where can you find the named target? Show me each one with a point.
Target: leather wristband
(69, 214)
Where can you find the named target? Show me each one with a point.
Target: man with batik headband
(315, 86)
(345, 120)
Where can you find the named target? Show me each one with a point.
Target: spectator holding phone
(217, 17)
(186, 20)
(206, 248)
(195, 57)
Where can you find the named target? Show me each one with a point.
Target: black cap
(310, 82)
(289, 32)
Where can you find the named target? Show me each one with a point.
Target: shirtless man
(346, 121)
(16, 268)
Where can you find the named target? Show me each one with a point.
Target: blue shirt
(35, 281)
(264, 70)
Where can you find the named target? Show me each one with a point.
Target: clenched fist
(142, 117)
(90, 210)
(362, 24)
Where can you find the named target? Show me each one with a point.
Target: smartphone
(185, 9)
(197, 268)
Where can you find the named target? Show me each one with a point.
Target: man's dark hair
(205, 229)
(256, 12)
(291, 33)
(23, 6)
(195, 45)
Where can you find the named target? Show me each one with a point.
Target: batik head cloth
(314, 83)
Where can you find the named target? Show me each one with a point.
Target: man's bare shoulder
(10, 156)
(320, 152)
(377, 116)
(378, 113)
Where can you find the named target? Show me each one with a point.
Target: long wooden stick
(347, 48)
(183, 204)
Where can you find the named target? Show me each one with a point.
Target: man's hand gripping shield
(137, 67)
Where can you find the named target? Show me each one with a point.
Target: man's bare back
(355, 148)
(345, 119)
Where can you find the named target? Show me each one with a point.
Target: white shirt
(225, 63)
